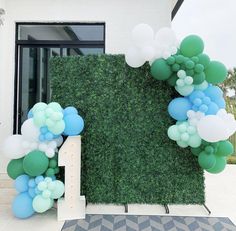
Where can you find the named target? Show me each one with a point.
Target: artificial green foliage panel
(127, 156)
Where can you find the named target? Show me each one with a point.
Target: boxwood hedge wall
(126, 154)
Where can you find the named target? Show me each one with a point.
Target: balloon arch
(202, 121)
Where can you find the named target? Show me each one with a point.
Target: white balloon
(13, 148)
(228, 118)
(212, 128)
(30, 131)
(59, 141)
(50, 153)
(142, 35)
(166, 36)
(134, 57)
(148, 53)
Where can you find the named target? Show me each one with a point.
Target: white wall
(120, 17)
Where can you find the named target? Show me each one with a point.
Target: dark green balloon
(206, 161)
(216, 72)
(198, 78)
(172, 80)
(204, 60)
(15, 168)
(196, 151)
(219, 165)
(160, 70)
(191, 46)
(50, 172)
(225, 148)
(35, 163)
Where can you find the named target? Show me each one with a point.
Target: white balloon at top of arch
(148, 46)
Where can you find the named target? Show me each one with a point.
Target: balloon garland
(34, 164)
(202, 121)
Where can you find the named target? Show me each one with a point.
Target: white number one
(72, 206)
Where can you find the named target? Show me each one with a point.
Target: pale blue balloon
(21, 183)
(22, 206)
(70, 110)
(178, 108)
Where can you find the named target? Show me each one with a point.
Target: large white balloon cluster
(148, 46)
(17, 146)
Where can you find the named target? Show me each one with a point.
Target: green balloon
(15, 168)
(50, 172)
(225, 148)
(191, 46)
(35, 163)
(206, 161)
(204, 60)
(172, 80)
(219, 165)
(198, 78)
(160, 69)
(196, 151)
(216, 72)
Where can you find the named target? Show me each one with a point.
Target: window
(36, 43)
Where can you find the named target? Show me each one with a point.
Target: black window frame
(20, 44)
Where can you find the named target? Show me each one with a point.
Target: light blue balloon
(196, 94)
(32, 193)
(21, 183)
(30, 114)
(212, 109)
(214, 92)
(74, 124)
(32, 183)
(178, 108)
(221, 103)
(70, 110)
(22, 206)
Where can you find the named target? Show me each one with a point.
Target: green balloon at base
(160, 70)
(35, 163)
(219, 165)
(15, 168)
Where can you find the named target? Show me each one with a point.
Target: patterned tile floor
(149, 223)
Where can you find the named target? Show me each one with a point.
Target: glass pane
(35, 85)
(81, 51)
(61, 32)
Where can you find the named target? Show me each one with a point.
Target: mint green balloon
(185, 90)
(194, 141)
(206, 161)
(58, 190)
(173, 133)
(58, 128)
(191, 45)
(55, 106)
(39, 118)
(202, 86)
(39, 107)
(219, 165)
(182, 144)
(42, 204)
